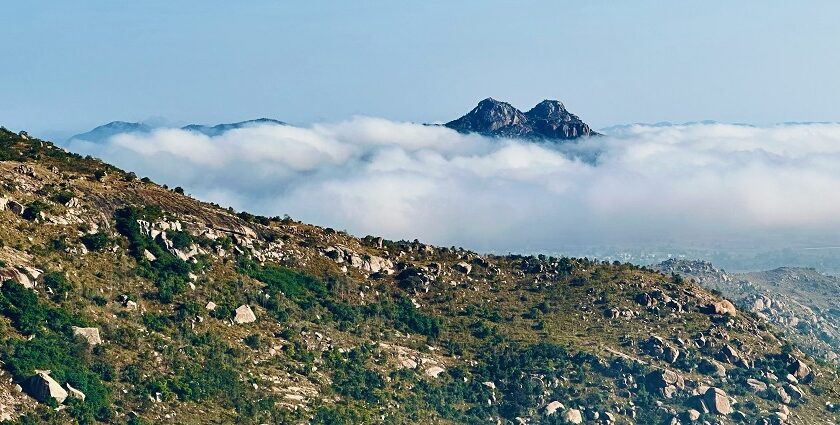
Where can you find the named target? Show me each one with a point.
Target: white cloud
(697, 184)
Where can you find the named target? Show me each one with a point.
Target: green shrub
(34, 209)
(67, 360)
(59, 284)
(62, 197)
(95, 241)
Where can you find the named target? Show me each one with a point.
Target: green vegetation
(95, 241)
(54, 348)
(169, 273)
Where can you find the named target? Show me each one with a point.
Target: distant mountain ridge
(548, 120)
(106, 131)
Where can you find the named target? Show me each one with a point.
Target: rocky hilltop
(801, 301)
(123, 301)
(548, 120)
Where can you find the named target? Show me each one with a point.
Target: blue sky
(68, 66)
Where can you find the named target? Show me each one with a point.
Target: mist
(698, 185)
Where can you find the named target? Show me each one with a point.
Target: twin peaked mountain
(547, 120)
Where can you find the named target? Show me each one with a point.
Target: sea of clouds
(712, 185)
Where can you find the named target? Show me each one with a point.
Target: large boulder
(711, 367)
(553, 407)
(722, 307)
(572, 416)
(717, 401)
(89, 334)
(463, 267)
(799, 369)
(665, 381)
(244, 314)
(43, 387)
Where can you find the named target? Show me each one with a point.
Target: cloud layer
(713, 185)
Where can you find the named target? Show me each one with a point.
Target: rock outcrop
(548, 120)
(43, 387)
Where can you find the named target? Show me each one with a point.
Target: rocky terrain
(548, 120)
(802, 301)
(123, 301)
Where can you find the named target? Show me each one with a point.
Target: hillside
(801, 301)
(147, 306)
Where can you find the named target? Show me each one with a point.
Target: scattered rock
(434, 371)
(717, 401)
(75, 393)
(148, 255)
(553, 407)
(723, 307)
(463, 267)
(90, 334)
(572, 416)
(244, 314)
(43, 387)
(799, 369)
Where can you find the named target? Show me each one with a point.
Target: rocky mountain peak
(548, 120)
(548, 109)
(491, 116)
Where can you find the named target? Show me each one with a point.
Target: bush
(95, 241)
(33, 210)
(58, 283)
(29, 316)
(66, 358)
(62, 197)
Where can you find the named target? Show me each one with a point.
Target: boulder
(434, 371)
(90, 334)
(756, 385)
(799, 369)
(711, 367)
(717, 401)
(75, 393)
(795, 392)
(572, 416)
(553, 407)
(244, 314)
(722, 307)
(782, 395)
(16, 207)
(463, 267)
(148, 255)
(692, 415)
(43, 387)
(665, 381)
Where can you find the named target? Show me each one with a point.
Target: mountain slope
(106, 131)
(161, 309)
(221, 128)
(800, 301)
(548, 120)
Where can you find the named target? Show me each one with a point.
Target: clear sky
(70, 65)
